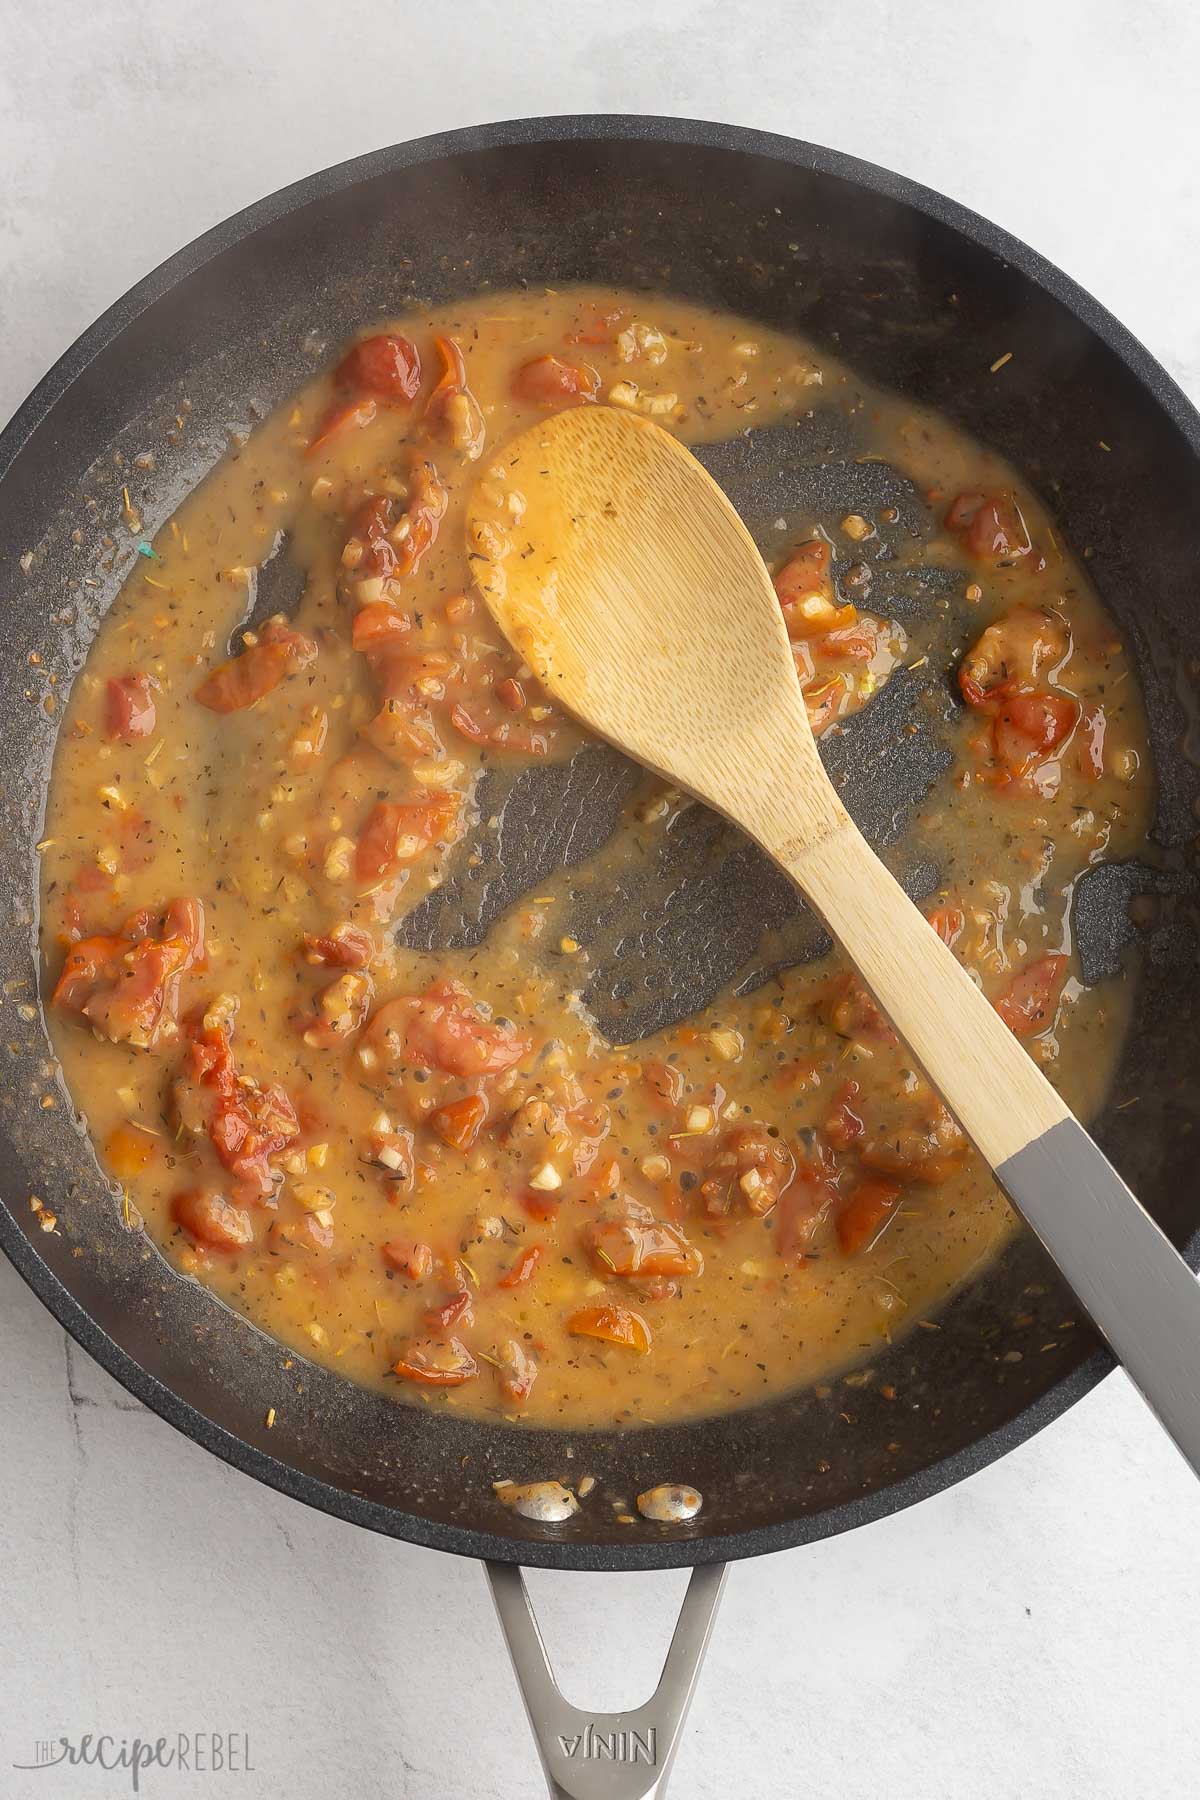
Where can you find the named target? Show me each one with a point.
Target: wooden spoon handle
(998, 1094)
(1137, 1289)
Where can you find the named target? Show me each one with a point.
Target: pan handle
(607, 1756)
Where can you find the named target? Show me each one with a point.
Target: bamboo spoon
(621, 573)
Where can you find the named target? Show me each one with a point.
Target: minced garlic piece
(312, 1198)
(641, 341)
(630, 396)
(437, 774)
(339, 859)
(221, 1012)
(751, 1184)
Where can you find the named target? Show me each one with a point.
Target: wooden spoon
(621, 573)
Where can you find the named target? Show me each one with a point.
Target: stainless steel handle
(607, 1756)
(1132, 1282)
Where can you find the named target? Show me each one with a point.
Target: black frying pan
(917, 294)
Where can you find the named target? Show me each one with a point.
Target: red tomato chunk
(413, 1260)
(386, 366)
(211, 1221)
(127, 985)
(989, 526)
(639, 1245)
(443, 1029)
(612, 1324)
(1031, 1000)
(246, 1124)
(398, 831)
(549, 381)
(459, 1122)
(434, 1362)
(523, 1269)
(259, 669)
(129, 711)
(862, 1219)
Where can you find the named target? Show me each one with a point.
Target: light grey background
(1032, 1635)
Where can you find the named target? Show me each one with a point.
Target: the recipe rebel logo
(184, 1752)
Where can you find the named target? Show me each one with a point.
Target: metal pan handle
(607, 1756)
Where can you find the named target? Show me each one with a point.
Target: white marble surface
(1032, 1634)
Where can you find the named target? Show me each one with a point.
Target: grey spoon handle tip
(1126, 1274)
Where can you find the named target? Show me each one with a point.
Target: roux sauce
(246, 812)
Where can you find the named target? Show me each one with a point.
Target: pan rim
(575, 1553)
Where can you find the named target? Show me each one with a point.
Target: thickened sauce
(429, 1169)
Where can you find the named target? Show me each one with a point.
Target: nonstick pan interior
(917, 296)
